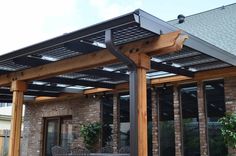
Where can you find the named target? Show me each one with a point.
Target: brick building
(177, 112)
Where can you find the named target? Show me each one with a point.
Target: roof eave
(159, 26)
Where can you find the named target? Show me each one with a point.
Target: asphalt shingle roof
(216, 26)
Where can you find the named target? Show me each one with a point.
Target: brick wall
(230, 100)
(202, 120)
(81, 109)
(155, 142)
(177, 123)
(116, 123)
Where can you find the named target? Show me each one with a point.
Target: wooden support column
(142, 62)
(202, 120)
(177, 123)
(18, 88)
(116, 122)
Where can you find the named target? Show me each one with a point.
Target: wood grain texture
(15, 135)
(142, 112)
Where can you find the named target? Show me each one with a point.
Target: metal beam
(107, 74)
(30, 61)
(52, 88)
(60, 80)
(171, 69)
(6, 91)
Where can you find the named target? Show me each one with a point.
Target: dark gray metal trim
(52, 89)
(60, 80)
(158, 26)
(171, 69)
(210, 50)
(107, 74)
(32, 93)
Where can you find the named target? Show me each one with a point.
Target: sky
(27, 22)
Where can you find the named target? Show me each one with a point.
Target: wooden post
(1, 142)
(143, 64)
(18, 88)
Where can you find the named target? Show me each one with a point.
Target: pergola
(135, 49)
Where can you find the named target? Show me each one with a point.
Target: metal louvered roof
(197, 55)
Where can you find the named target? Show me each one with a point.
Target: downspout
(133, 88)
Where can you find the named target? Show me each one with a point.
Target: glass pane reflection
(124, 120)
(189, 103)
(214, 93)
(52, 135)
(166, 121)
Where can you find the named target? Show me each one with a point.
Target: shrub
(90, 133)
(228, 129)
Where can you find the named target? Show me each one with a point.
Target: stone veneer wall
(81, 109)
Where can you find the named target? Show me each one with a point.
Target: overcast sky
(25, 22)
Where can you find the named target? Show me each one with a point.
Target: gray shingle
(217, 26)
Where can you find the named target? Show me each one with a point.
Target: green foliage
(90, 133)
(228, 129)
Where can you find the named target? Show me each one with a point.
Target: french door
(57, 131)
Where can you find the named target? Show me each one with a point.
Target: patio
(131, 53)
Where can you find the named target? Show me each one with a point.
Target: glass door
(57, 131)
(52, 129)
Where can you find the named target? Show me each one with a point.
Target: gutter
(133, 88)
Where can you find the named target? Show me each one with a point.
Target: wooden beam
(199, 76)
(170, 79)
(60, 98)
(96, 90)
(216, 73)
(18, 88)
(157, 45)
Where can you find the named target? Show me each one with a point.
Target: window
(107, 119)
(5, 104)
(166, 121)
(124, 120)
(215, 105)
(57, 131)
(189, 104)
